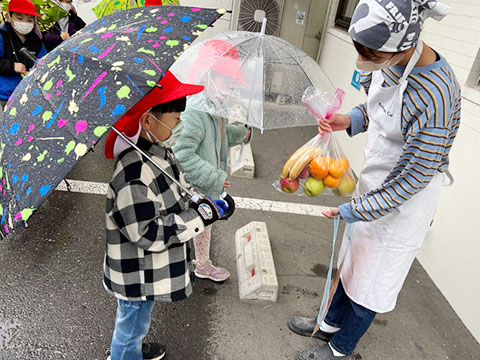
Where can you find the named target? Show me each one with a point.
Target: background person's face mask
(66, 6)
(372, 66)
(23, 27)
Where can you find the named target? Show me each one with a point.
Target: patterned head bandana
(393, 25)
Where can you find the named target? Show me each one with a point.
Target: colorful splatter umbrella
(76, 92)
(107, 7)
(49, 10)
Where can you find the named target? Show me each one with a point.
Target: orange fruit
(331, 181)
(346, 164)
(320, 166)
(337, 168)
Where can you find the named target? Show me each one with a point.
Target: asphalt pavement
(53, 305)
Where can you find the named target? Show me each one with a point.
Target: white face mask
(153, 139)
(371, 66)
(22, 27)
(218, 95)
(66, 6)
(175, 134)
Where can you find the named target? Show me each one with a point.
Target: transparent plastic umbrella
(252, 78)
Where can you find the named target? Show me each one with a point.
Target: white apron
(377, 255)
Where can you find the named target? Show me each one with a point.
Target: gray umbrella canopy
(76, 92)
(252, 78)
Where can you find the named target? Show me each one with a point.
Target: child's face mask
(175, 133)
(66, 6)
(220, 90)
(23, 27)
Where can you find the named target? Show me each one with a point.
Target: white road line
(90, 187)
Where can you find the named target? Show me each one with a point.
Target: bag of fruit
(320, 164)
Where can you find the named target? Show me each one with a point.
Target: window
(344, 13)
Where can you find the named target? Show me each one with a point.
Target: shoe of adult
(320, 352)
(304, 326)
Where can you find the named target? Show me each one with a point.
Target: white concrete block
(246, 167)
(257, 278)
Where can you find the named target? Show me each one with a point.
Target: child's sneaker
(150, 351)
(153, 351)
(209, 271)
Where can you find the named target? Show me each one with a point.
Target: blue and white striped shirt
(430, 120)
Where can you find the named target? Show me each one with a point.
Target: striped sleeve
(430, 121)
(358, 115)
(420, 161)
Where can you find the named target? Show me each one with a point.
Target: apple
(346, 186)
(313, 187)
(289, 186)
(305, 173)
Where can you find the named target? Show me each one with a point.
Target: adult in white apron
(375, 256)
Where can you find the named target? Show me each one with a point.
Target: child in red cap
(149, 221)
(17, 35)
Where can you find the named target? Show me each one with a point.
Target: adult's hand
(227, 184)
(19, 68)
(331, 213)
(335, 123)
(64, 35)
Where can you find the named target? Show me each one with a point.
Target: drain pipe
(324, 30)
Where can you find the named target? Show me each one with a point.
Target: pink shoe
(209, 271)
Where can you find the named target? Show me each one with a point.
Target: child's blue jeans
(131, 325)
(352, 319)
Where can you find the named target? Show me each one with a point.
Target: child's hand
(19, 68)
(227, 184)
(247, 138)
(64, 35)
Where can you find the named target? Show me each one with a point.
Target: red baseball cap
(219, 56)
(171, 89)
(22, 7)
(153, 2)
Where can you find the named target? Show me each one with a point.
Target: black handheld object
(29, 56)
(207, 210)
(231, 206)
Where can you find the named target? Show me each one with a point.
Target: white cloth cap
(393, 25)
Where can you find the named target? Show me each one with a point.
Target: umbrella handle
(231, 206)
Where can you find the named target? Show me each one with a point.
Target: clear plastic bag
(319, 166)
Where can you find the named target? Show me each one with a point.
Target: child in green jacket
(202, 151)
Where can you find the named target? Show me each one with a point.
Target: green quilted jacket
(202, 150)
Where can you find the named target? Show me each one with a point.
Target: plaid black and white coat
(149, 226)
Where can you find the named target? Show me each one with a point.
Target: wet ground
(53, 305)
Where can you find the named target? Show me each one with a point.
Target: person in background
(20, 46)
(411, 119)
(64, 27)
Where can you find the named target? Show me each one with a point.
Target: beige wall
(452, 247)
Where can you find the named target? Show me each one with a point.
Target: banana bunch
(297, 162)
